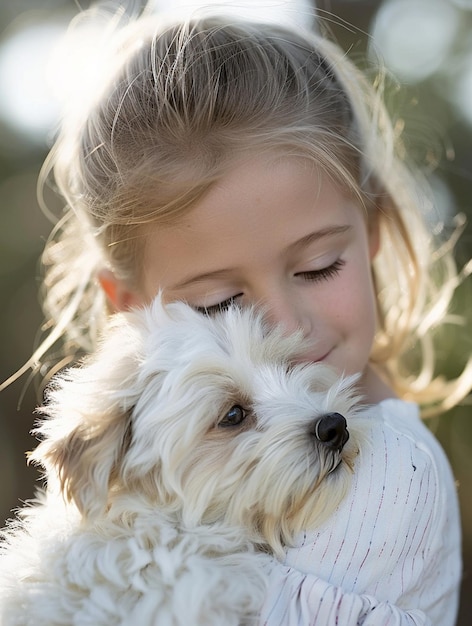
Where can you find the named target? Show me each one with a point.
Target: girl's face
(276, 233)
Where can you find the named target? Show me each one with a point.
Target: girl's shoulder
(399, 415)
(403, 420)
(403, 456)
(395, 424)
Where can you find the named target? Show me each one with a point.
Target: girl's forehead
(261, 212)
(254, 195)
(253, 188)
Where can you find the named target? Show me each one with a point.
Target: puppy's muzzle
(331, 430)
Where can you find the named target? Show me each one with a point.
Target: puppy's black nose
(331, 429)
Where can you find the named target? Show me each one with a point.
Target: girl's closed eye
(213, 309)
(317, 275)
(324, 273)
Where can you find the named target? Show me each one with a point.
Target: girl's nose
(288, 314)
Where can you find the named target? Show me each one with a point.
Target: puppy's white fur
(160, 507)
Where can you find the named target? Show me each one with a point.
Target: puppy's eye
(234, 416)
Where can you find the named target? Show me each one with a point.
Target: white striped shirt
(391, 554)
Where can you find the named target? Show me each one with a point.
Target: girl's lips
(309, 359)
(324, 357)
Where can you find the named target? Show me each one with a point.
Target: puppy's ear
(86, 462)
(87, 429)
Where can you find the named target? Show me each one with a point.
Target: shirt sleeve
(297, 599)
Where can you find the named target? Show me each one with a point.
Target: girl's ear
(119, 295)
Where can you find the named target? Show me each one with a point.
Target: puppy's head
(209, 419)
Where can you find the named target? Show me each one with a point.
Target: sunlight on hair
(299, 12)
(45, 72)
(414, 36)
(82, 63)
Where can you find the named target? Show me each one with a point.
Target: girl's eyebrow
(198, 278)
(330, 231)
(300, 243)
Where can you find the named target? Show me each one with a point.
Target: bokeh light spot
(414, 36)
(26, 104)
(462, 94)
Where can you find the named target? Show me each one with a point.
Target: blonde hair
(185, 100)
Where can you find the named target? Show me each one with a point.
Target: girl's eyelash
(313, 275)
(217, 308)
(325, 273)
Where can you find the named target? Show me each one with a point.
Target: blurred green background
(426, 44)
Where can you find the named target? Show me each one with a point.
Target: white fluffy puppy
(178, 458)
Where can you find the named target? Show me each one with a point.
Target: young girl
(228, 163)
